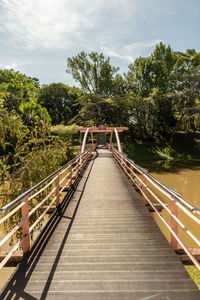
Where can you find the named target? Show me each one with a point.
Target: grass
(194, 274)
(141, 151)
(185, 146)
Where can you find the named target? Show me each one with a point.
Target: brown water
(183, 177)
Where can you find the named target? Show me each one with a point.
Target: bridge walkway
(104, 245)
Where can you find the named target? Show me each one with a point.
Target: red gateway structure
(101, 128)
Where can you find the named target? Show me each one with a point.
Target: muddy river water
(183, 177)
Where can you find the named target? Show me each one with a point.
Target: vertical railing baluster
(173, 224)
(25, 225)
(77, 167)
(131, 174)
(125, 166)
(122, 163)
(57, 190)
(70, 175)
(144, 189)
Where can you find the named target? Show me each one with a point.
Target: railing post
(70, 176)
(122, 162)
(57, 190)
(173, 224)
(93, 146)
(131, 174)
(77, 167)
(109, 145)
(25, 225)
(124, 165)
(144, 189)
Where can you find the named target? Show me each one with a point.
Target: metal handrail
(164, 186)
(20, 197)
(72, 173)
(142, 183)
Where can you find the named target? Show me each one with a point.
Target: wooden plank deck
(104, 244)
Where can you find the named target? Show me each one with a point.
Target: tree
(139, 79)
(60, 100)
(34, 114)
(164, 60)
(185, 89)
(96, 110)
(95, 74)
(151, 72)
(17, 87)
(162, 115)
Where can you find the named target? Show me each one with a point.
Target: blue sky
(37, 36)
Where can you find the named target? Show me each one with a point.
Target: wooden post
(174, 225)
(93, 146)
(57, 190)
(131, 169)
(70, 176)
(144, 189)
(111, 136)
(124, 165)
(77, 167)
(25, 225)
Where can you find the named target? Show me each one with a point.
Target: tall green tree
(151, 72)
(61, 101)
(185, 89)
(17, 88)
(95, 74)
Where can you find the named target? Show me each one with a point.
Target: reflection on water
(183, 177)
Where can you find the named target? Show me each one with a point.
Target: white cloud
(130, 52)
(39, 23)
(13, 65)
(40, 34)
(61, 24)
(52, 23)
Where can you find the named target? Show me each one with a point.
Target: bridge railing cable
(151, 190)
(30, 208)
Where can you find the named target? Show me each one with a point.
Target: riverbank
(185, 146)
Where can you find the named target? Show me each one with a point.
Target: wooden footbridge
(101, 242)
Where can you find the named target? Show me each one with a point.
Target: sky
(37, 36)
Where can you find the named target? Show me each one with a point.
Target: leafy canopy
(61, 101)
(95, 74)
(16, 87)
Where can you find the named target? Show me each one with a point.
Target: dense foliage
(61, 101)
(158, 96)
